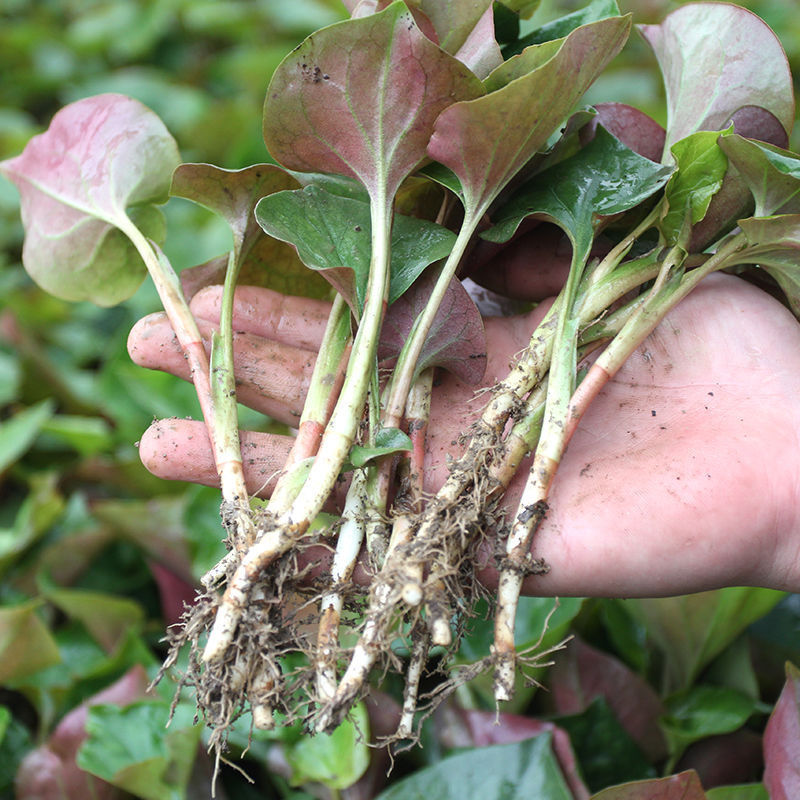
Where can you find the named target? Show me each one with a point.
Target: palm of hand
(682, 476)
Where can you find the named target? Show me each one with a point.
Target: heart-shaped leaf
(101, 159)
(485, 141)
(601, 179)
(772, 174)
(456, 340)
(715, 59)
(782, 741)
(333, 233)
(359, 98)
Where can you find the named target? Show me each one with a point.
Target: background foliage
(96, 556)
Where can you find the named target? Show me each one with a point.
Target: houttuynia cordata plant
(403, 137)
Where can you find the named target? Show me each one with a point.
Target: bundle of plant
(407, 140)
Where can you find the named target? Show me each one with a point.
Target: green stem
(346, 417)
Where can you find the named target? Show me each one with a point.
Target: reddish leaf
(100, 157)
(50, 771)
(782, 742)
(717, 58)
(632, 127)
(485, 141)
(263, 261)
(727, 759)
(232, 194)
(684, 786)
(584, 673)
(456, 340)
(359, 98)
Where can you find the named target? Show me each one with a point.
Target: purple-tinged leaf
(683, 786)
(583, 673)
(632, 127)
(263, 261)
(333, 233)
(100, 157)
(359, 98)
(456, 340)
(480, 51)
(487, 140)
(782, 741)
(232, 194)
(717, 58)
(772, 174)
(463, 28)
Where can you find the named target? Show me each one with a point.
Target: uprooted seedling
(403, 137)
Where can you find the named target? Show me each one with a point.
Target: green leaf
(130, 748)
(774, 245)
(18, 433)
(772, 174)
(524, 769)
(703, 711)
(606, 752)
(387, 442)
(701, 169)
(334, 233)
(487, 140)
(359, 98)
(694, 629)
(100, 157)
(15, 742)
(748, 791)
(337, 760)
(717, 58)
(525, 8)
(108, 618)
(39, 510)
(563, 26)
(26, 645)
(86, 435)
(601, 179)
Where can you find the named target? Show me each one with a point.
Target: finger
(271, 377)
(295, 321)
(180, 450)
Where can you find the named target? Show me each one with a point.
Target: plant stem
(185, 328)
(282, 533)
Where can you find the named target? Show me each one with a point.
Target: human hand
(682, 476)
